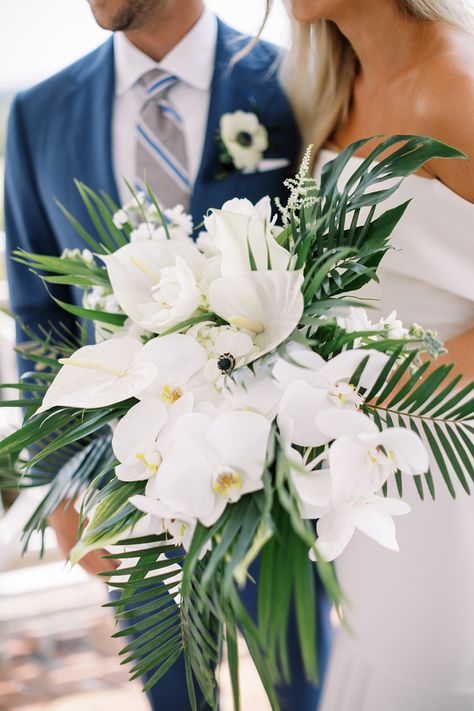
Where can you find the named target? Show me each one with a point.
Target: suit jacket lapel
(92, 122)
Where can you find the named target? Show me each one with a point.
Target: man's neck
(167, 29)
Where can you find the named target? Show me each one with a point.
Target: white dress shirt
(192, 61)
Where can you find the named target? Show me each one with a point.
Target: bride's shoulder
(444, 108)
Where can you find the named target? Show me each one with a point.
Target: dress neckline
(434, 183)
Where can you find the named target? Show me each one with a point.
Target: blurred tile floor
(57, 654)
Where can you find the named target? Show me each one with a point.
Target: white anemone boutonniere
(243, 140)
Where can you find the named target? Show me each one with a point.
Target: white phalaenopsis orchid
(312, 386)
(312, 484)
(361, 459)
(179, 527)
(213, 462)
(252, 390)
(179, 361)
(101, 375)
(372, 515)
(135, 441)
(268, 305)
(157, 283)
(246, 244)
(143, 435)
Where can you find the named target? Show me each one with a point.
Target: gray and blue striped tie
(161, 159)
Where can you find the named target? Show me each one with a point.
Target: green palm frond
(341, 248)
(434, 404)
(162, 630)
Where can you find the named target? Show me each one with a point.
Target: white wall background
(39, 37)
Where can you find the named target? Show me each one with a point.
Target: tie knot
(157, 82)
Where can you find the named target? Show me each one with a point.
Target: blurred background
(56, 652)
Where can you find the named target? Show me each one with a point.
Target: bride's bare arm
(65, 522)
(446, 107)
(460, 350)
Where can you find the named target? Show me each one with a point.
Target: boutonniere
(243, 140)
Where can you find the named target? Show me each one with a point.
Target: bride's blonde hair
(321, 66)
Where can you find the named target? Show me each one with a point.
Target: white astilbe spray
(303, 191)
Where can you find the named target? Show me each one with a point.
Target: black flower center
(226, 362)
(244, 138)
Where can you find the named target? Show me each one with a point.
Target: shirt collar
(191, 60)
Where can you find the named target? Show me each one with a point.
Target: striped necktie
(161, 160)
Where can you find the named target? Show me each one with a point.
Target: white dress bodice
(412, 612)
(428, 276)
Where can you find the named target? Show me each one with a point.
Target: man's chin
(120, 15)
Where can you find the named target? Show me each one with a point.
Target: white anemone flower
(244, 137)
(179, 361)
(240, 239)
(213, 462)
(156, 283)
(268, 305)
(100, 375)
(313, 386)
(231, 348)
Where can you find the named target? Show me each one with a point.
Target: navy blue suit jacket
(61, 129)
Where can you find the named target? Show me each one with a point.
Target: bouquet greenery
(236, 393)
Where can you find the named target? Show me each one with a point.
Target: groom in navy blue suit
(80, 123)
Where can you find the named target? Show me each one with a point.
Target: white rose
(176, 297)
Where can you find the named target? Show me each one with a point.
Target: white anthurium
(313, 386)
(156, 283)
(240, 239)
(100, 375)
(371, 514)
(267, 305)
(260, 212)
(213, 462)
(179, 361)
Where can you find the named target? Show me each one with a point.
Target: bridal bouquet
(236, 402)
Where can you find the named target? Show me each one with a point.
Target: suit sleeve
(27, 227)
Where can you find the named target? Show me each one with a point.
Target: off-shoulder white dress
(412, 612)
